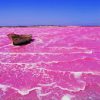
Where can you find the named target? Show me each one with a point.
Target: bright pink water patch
(63, 63)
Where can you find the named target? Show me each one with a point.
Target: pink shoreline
(63, 63)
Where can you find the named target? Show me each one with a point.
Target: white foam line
(93, 73)
(29, 53)
(5, 46)
(67, 97)
(71, 90)
(4, 87)
(41, 68)
(45, 85)
(45, 94)
(18, 63)
(69, 47)
(53, 53)
(46, 62)
(80, 48)
(15, 63)
(25, 92)
(22, 92)
(79, 74)
(30, 63)
(27, 64)
(72, 72)
(86, 52)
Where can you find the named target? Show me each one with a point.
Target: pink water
(63, 63)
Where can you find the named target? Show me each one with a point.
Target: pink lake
(63, 63)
